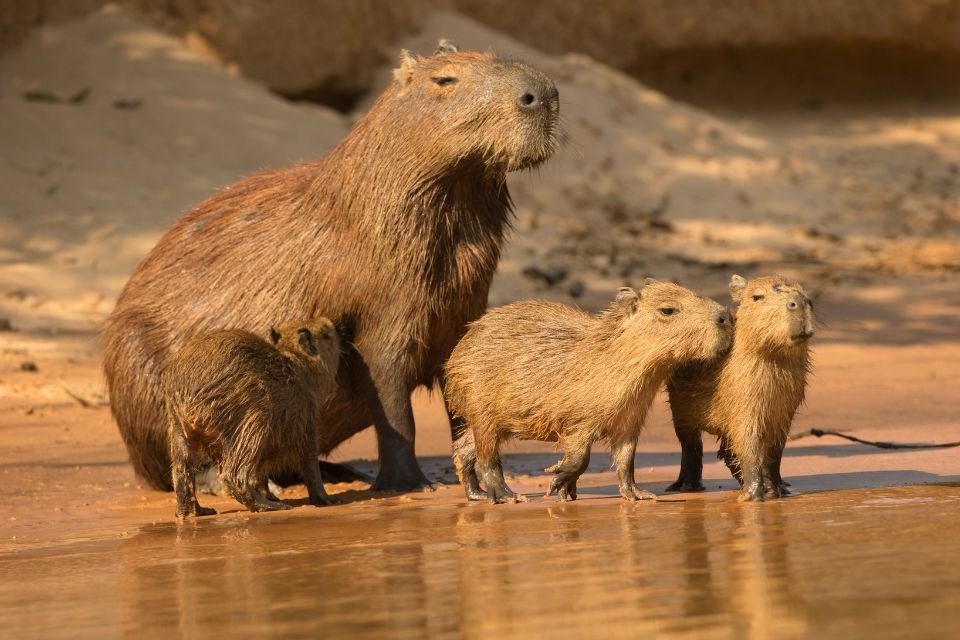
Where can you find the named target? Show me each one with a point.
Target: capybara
(544, 371)
(747, 398)
(250, 407)
(394, 235)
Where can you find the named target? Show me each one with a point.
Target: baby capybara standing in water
(251, 408)
(544, 371)
(394, 235)
(747, 398)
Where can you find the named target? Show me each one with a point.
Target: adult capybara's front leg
(623, 459)
(393, 420)
(691, 459)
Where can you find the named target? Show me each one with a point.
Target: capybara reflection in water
(747, 398)
(394, 235)
(250, 407)
(544, 371)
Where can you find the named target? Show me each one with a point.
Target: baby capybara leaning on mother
(250, 407)
(747, 398)
(543, 371)
(394, 235)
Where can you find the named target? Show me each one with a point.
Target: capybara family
(250, 407)
(748, 397)
(543, 371)
(394, 235)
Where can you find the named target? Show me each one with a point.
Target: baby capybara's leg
(576, 457)
(465, 460)
(691, 459)
(184, 483)
(246, 493)
(310, 470)
(749, 456)
(488, 466)
(725, 454)
(623, 457)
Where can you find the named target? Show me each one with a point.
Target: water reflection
(815, 566)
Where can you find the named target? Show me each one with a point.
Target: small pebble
(28, 366)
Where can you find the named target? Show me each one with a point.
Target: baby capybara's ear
(308, 342)
(274, 336)
(404, 73)
(737, 285)
(628, 299)
(445, 46)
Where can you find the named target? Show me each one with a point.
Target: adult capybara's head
(315, 340)
(675, 320)
(773, 314)
(467, 107)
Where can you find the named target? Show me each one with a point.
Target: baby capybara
(250, 407)
(747, 398)
(544, 371)
(395, 235)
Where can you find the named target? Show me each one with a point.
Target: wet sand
(869, 563)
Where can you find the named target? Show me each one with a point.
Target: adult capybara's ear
(445, 46)
(274, 336)
(628, 299)
(308, 342)
(737, 285)
(403, 75)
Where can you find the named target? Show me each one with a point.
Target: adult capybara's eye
(667, 311)
(443, 81)
(758, 297)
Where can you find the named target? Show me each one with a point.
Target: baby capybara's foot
(269, 505)
(635, 493)
(752, 491)
(196, 511)
(502, 494)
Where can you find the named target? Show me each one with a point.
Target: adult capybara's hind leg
(136, 401)
(691, 460)
(183, 480)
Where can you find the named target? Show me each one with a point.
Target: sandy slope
(861, 204)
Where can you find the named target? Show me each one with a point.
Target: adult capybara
(544, 371)
(250, 407)
(394, 236)
(747, 398)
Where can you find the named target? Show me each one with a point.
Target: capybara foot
(195, 512)
(635, 493)
(686, 487)
(752, 492)
(269, 505)
(564, 485)
(322, 501)
(474, 492)
(402, 478)
(503, 494)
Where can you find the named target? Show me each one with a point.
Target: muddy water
(869, 563)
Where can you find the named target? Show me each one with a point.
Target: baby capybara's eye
(757, 298)
(443, 81)
(667, 311)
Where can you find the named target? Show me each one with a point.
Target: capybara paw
(196, 512)
(323, 501)
(504, 496)
(751, 496)
(271, 505)
(565, 488)
(474, 493)
(686, 487)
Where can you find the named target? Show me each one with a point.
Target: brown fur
(250, 407)
(394, 235)
(544, 371)
(747, 398)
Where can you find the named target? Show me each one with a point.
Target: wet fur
(544, 371)
(749, 397)
(394, 235)
(250, 407)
